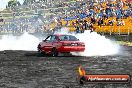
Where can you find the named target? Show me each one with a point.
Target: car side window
(48, 38)
(53, 38)
(64, 38)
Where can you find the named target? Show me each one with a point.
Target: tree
(13, 3)
(18, 3)
(28, 1)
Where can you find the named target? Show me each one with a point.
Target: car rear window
(68, 38)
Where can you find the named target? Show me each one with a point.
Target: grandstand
(69, 12)
(104, 27)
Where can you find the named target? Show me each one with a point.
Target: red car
(55, 44)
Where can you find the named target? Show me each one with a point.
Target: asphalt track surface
(27, 69)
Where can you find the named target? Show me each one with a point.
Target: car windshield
(68, 38)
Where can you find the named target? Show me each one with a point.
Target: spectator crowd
(101, 14)
(81, 15)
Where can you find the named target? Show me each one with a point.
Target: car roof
(61, 35)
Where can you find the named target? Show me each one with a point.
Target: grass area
(127, 43)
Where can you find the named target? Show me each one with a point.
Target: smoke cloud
(24, 42)
(95, 44)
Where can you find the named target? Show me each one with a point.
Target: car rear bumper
(72, 49)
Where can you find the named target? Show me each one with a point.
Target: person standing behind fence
(85, 25)
(77, 28)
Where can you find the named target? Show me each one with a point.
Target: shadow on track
(46, 55)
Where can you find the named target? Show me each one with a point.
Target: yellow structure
(127, 28)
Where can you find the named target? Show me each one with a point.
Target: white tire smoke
(25, 42)
(95, 44)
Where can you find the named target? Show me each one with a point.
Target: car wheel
(40, 51)
(54, 52)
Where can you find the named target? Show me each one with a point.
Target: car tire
(54, 52)
(40, 51)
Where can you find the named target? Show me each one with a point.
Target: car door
(55, 41)
(47, 44)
